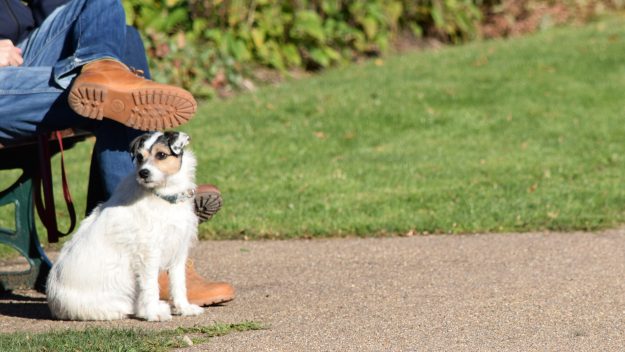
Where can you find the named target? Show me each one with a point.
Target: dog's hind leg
(81, 294)
(178, 289)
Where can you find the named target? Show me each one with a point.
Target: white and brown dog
(109, 269)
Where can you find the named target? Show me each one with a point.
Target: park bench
(32, 156)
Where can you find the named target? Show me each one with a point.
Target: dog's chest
(169, 223)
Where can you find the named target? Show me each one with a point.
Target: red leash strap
(45, 205)
(66, 194)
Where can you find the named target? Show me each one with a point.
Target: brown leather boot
(208, 201)
(108, 88)
(199, 290)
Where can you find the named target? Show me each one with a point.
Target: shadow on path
(20, 306)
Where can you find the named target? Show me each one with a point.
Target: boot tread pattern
(87, 101)
(207, 204)
(144, 109)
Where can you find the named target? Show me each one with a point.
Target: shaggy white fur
(109, 269)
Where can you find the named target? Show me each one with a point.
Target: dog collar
(177, 197)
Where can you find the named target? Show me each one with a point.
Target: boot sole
(217, 300)
(207, 204)
(142, 109)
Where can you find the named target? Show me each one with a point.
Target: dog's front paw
(161, 313)
(189, 309)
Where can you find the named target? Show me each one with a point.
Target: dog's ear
(177, 141)
(137, 143)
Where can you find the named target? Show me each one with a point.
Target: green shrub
(207, 44)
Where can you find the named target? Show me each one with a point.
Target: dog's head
(158, 156)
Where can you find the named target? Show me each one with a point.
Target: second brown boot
(208, 201)
(199, 290)
(108, 88)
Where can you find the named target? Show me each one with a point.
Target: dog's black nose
(144, 173)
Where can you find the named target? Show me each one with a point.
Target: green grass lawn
(105, 340)
(517, 135)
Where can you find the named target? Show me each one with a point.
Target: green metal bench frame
(24, 237)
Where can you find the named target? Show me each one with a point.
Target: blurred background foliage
(214, 46)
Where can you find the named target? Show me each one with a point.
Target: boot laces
(137, 72)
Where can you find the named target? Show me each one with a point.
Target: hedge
(204, 45)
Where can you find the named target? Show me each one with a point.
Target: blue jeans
(33, 97)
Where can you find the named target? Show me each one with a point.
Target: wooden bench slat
(66, 133)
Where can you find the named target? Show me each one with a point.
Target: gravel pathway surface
(493, 292)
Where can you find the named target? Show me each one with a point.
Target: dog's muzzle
(144, 174)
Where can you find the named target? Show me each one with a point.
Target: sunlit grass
(105, 340)
(517, 135)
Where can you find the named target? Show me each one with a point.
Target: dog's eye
(161, 156)
(139, 158)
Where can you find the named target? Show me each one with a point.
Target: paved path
(512, 292)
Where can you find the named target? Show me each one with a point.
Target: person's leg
(80, 32)
(75, 34)
(78, 38)
(111, 160)
(30, 95)
(25, 97)
(33, 97)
